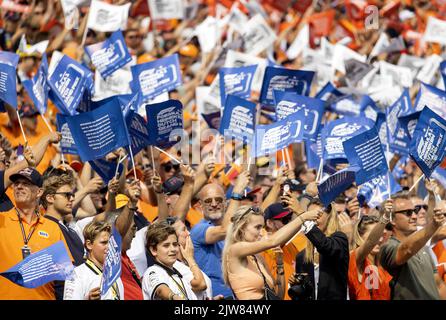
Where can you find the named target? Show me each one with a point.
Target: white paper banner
(342, 53)
(430, 67)
(300, 42)
(104, 17)
(166, 9)
(435, 31)
(257, 35)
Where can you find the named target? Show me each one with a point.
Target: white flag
(401, 76)
(117, 83)
(104, 17)
(257, 35)
(430, 67)
(71, 13)
(435, 31)
(341, 54)
(166, 9)
(208, 33)
(300, 42)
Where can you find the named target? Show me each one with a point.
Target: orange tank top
(374, 284)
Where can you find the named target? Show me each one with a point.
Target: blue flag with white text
(313, 150)
(376, 191)
(282, 79)
(164, 121)
(109, 55)
(428, 145)
(364, 151)
(332, 186)
(156, 77)
(8, 77)
(112, 263)
(238, 119)
(138, 132)
(431, 97)
(271, 138)
(443, 72)
(329, 94)
(289, 102)
(39, 268)
(38, 88)
(98, 132)
(68, 82)
(236, 81)
(67, 144)
(106, 169)
(337, 131)
(398, 138)
(355, 105)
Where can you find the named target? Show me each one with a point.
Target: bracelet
(171, 295)
(384, 220)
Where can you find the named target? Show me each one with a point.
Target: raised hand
(242, 181)
(291, 203)
(134, 192)
(113, 186)
(157, 183)
(311, 215)
(188, 174)
(94, 185)
(311, 189)
(29, 156)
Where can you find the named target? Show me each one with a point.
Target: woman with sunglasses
(367, 280)
(243, 269)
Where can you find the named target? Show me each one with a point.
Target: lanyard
(134, 273)
(25, 238)
(96, 270)
(181, 287)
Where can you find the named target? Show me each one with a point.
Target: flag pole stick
(288, 158)
(133, 162)
(417, 182)
(117, 167)
(46, 123)
(319, 170)
(153, 158)
(169, 155)
(283, 157)
(21, 127)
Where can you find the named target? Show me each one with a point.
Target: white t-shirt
(84, 279)
(80, 226)
(157, 275)
(137, 251)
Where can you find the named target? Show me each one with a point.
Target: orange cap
(189, 50)
(145, 57)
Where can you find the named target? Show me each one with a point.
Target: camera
(302, 289)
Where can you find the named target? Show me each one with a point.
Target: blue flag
(398, 171)
(313, 150)
(398, 138)
(431, 97)
(364, 151)
(376, 191)
(409, 122)
(162, 119)
(337, 131)
(439, 174)
(8, 77)
(106, 169)
(282, 79)
(274, 137)
(236, 81)
(289, 102)
(443, 71)
(109, 55)
(68, 83)
(138, 133)
(428, 145)
(67, 144)
(156, 77)
(98, 132)
(49, 264)
(334, 185)
(212, 119)
(38, 88)
(126, 102)
(329, 94)
(354, 105)
(238, 119)
(112, 263)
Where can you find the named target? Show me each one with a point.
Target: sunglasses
(169, 167)
(421, 206)
(407, 213)
(218, 200)
(68, 195)
(250, 209)
(134, 36)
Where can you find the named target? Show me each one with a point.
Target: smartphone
(20, 155)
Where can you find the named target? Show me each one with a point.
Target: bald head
(213, 202)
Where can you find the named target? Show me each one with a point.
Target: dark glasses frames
(218, 200)
(407, 213)
(67, 195)
(421, 206)
(169, 167)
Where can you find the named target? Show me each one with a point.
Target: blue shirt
(208, 257)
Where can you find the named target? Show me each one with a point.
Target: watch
(237, 196)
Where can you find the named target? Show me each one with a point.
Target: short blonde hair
(93, 229)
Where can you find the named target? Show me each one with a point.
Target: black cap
(173, 185)
(276, 211)
(29, 174)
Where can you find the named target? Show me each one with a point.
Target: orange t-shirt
(440, 251)
(289, 258)
(46, 233)
(358, 290)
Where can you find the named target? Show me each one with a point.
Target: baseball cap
(276, 211)
(29, 174)
(173, 185)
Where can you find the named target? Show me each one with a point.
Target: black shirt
(5, 202)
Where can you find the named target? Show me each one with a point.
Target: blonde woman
(367, 280)
(243, 269)
(323, 266)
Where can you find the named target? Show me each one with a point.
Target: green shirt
(413, 280)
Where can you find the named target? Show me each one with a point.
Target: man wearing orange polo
(23, 231)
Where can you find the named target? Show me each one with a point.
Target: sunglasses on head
(407, 213)
(168, 167)
(421, 206)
